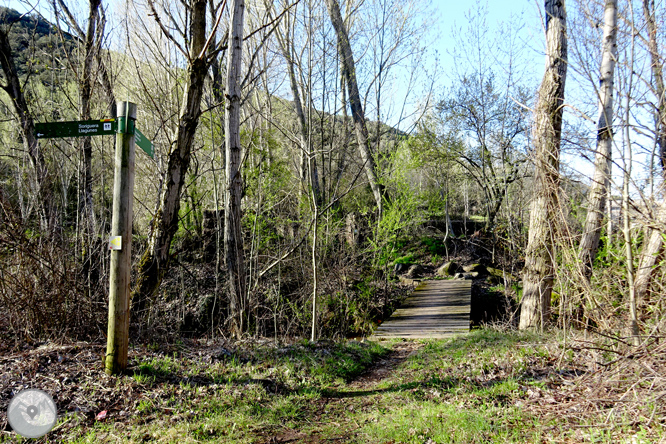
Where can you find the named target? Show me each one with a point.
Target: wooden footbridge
(436, 309)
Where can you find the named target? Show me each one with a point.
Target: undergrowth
(488, 386)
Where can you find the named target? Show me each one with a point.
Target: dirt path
(334, 407)
(357, 395)
(73, 375)
(385, 366)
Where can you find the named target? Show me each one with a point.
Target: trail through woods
(331, 408)
(485, 386)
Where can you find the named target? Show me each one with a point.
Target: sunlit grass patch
(445, 423)
(488, 386)
(163, 366)
(462, 389)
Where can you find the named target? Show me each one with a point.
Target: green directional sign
(80, 128)
(143, 143)
(75, 128)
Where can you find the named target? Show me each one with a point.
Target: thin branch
(166, 31)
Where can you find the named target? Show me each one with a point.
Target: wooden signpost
(117, 338)
(120, 240)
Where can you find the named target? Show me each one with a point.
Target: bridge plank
(436, 309)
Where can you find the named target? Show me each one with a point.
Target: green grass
(235, 400)
(469, 389)
(434, 246)
(419, 422)
(444, 393)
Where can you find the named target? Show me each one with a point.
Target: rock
(466, 276)
(400, 268)
(448, 269)
(407, 281)
(494, 271)
(415, 271)
(496, 276)
(478, 268)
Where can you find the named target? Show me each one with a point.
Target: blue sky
(525, 13)
(450, 15)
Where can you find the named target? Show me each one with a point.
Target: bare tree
(88, 76)
(602, 165)
(358, 115)
(626, 226)
(233, 237)
(286, 40)
(657, 77)
(492, 130)
(13, 87)
(655, 238)
(539, 269)
(155, 260)
(483, 107)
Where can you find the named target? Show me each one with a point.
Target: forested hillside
(313, 162)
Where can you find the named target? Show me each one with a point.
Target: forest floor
(486, 386)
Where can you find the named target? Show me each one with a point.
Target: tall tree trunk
(651, 249)
(287, 48)
(341, 141)
(155, 260)
(626, 225)
(105, 77)
(313, 172)
(538, 273)
(91, 39)
(233, 238)
(589, 243)
(658, 78)
(15, 91)
(216, 74)
(358, 114)
(655, 240)
(86, 78)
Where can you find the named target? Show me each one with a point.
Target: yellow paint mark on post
(116, 243)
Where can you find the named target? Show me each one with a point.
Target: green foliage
(613, 250)
(360, 308)
(190, 215)
(399, 213)
(266, 175)
(263, 229)
(434, 203)
(267, 183)
(434, 246)
(407, 259)
(36, 45)
(356, 309)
